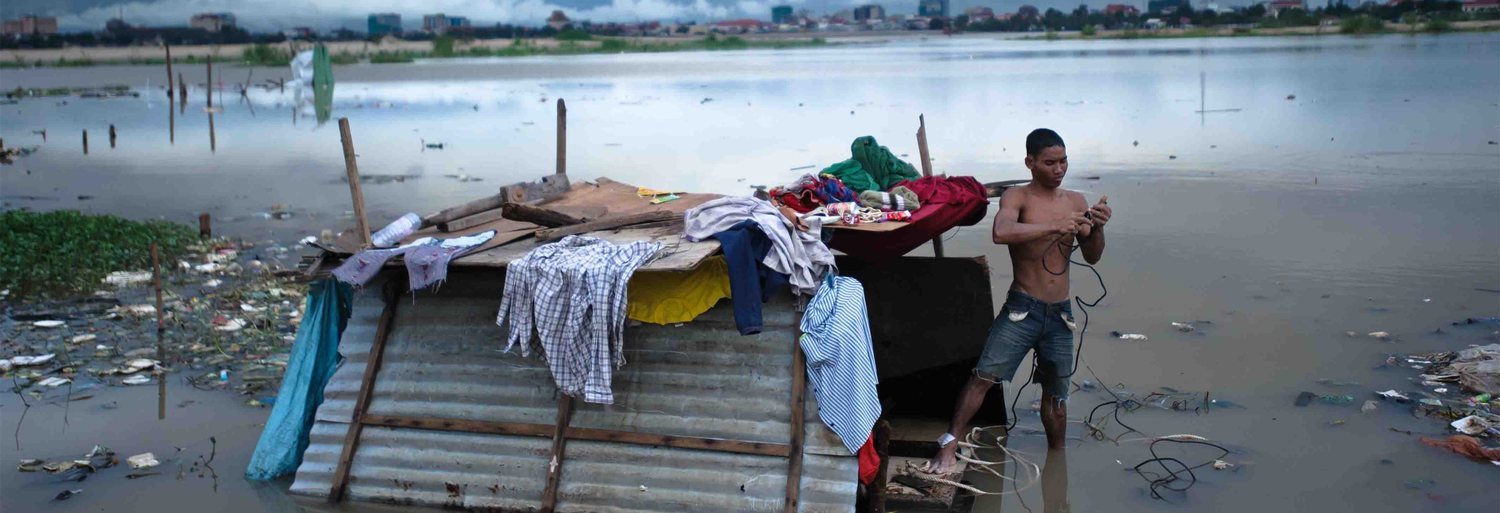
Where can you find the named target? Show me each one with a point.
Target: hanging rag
(313, 359)
(841, 361)
(869, 462)
(800, 255)
(899, 198)
(670, 298)
(751, 283)
(567, 300)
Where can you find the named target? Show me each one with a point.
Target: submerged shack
(427, 409)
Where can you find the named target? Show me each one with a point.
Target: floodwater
(1339, 184)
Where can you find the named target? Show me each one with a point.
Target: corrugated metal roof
(700, 379)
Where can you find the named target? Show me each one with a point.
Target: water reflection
(1055, 482)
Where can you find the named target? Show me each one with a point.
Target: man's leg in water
(1011, 335)
(1054, 357)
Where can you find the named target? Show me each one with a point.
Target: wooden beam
(170, 85)
(351, 168)
(937, 242)
(576, 433)
(451, 214)
(794, 461)
(550, 234)
(471, 221)
(366, 390)
(161, 331)
(559, 448)
(562, 137)
(536, 191)
(537, 215)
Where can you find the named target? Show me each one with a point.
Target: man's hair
(1041, 139)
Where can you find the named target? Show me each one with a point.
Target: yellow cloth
(670, 298)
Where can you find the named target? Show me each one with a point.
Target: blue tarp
(314, 357)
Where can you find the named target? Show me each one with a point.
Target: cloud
(259, 15)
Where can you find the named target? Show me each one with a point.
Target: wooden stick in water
(562, 137)
(169, 72)
(161, 347)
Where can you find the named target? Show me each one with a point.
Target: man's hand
(1070, 224)
(1100, 212)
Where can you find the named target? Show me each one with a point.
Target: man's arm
(1092, 244)
(1010, 230)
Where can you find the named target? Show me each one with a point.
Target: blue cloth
(841, 361)
(1025, 324)
(314, 357)
(751, 283)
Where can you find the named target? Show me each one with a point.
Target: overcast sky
(259, 15)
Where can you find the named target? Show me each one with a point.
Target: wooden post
(366, 389)
(559, 448)
(205, 226)
(181, 90)
(210, 94)
(562, 137)
(111, 136)
(169, 71)
(937, 242)
(213, 140)
(171, 124)
(352, 169)
(794, 461)
(161, 347)
(85, 141)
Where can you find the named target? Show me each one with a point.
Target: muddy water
(1354, 182)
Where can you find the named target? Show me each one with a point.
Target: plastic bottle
(397, 230)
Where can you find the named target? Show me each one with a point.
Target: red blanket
(946, 202)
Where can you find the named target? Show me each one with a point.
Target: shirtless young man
(1039, 222)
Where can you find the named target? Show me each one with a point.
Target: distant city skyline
(271, 15)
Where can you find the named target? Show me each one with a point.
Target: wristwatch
(946, 439)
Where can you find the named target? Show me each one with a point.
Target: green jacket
(873, 167)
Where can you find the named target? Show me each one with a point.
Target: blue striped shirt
(841, 361)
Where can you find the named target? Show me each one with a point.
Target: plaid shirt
(571, 296)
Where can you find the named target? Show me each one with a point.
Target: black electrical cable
(1156, 481)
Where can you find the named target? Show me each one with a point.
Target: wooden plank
(547, 188)
(576, 433)
(680, 442)
(465, 210)
(539, 215)
(461, 425)
(471, 221)
(366, 390)
(678, 253)
(937, 242)
(888, 226)
(798, 403)
(351, 168)
(551, 234)
(559, 448)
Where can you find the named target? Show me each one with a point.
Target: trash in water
(1221, 464)
(231, 325)
(1127, 336)
(212, 283)
(27, 361)
(1350, 334)
(1472, 425)
(1380, 335)
(1393, 394)
(136, 310)
(48, 324)
(1335, 383)
(54, 382)
(1183, 327)
(66, 494)
(139, 461)
(1464, 445)
(1341, 400)
(1368, 407)
(127, 278)
(138, 379)
(1428, 401)
(83, 338)
(1305, 398)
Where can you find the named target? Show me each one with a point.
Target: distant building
(212, 21)
(558, 20)
(1274, 8)
(442, 24)
(1125, 9)
(979, 13)
(782, 15)
(870, 12)
(382, 24)
(30, 26)
(743, 26)
(1481, 5)
(1166, 6)
(932, 8)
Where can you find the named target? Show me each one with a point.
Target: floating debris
(48, 324)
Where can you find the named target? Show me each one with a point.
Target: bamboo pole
(351, 167)
(562, 137)
(85, 141)
(937, 242)
(181, 90)
(111, 136)
(161, 328)
(210, 94)
(169, 72)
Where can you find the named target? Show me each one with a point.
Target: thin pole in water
(161, 328)
(351, 167)
(169, 71)
(562, 137)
